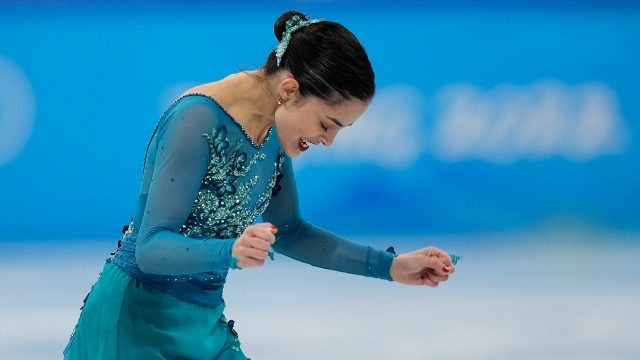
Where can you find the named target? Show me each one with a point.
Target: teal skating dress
(159, 296)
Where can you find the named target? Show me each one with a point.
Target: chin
(292, 152)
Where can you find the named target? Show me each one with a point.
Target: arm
(180, 163)
(305, 242)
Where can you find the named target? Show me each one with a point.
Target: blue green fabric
(204, 181)
(124, 318)
(303, 241)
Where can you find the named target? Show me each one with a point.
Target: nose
(327, 139)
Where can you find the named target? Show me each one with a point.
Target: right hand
(252, 247)
(428, 266)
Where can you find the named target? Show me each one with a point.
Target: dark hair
(326, 59)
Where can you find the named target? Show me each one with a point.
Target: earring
(280, 100)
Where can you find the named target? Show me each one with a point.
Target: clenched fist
(253, 246)
(428, 266)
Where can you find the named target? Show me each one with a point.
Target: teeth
(304, 143)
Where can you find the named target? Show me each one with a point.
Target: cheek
(287, 125)
(289, 146)
(288, 134)
(294, 123)
(283, 120)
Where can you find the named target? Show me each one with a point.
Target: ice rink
(544, 296)
(514, 126)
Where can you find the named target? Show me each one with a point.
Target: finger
(259, 244)
(438, 278)
(452, 269)
(253, 254)
(264, 234)
(429, 251)
(446, 258)
(442, 255)
(270, 227)
(426, 280)
(436, 265)
(447, 269)
(261, 226)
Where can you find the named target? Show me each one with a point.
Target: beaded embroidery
(292, 25)
(222, 208)
(242, 129)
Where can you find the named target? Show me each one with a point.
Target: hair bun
(281, 24)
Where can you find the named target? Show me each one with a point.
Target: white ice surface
(528, 300)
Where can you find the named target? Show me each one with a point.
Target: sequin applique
(222, 208)
(276, 186)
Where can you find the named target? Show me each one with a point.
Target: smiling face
(311, 121)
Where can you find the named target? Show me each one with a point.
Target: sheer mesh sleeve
(300, 240)
(181, 159)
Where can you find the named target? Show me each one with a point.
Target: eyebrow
(337, 122)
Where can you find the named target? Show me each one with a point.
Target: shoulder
(207, 89)
(199, 101)
(190, 113)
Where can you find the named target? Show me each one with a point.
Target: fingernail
(445, 269)
(273, 228)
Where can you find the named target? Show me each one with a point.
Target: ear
(289, 88)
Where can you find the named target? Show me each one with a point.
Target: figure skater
(219, 158)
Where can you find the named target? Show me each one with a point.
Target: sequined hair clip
(293, 24)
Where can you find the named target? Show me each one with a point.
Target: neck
(252, 99)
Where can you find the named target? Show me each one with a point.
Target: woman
(219, 158)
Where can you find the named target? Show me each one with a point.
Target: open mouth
(303, 145)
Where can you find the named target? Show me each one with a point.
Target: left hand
(428, 266)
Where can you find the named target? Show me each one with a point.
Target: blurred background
(504, 132)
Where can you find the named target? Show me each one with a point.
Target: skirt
(124, 318)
